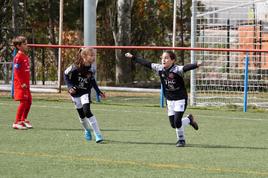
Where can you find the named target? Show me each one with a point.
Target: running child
(171, 77)
(79, 78)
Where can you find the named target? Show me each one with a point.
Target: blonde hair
(79, 62)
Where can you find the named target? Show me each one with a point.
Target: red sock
(26, 110)
(20, 111)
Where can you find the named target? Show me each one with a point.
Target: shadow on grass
(80, 129)
(225, 146)
(127, 130)
(57, 129)
(187, 145)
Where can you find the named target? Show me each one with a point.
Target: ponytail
(79, 60)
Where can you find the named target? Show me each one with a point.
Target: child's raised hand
(128, 55)
(200, 63)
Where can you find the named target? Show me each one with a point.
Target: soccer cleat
(19, 126)
(88, 135)
(98, 138)
(193, 123)
(28, 124)
(180, 143)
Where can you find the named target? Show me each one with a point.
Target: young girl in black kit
(79, 78)
(171, 77)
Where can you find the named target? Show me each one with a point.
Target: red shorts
(22, 94)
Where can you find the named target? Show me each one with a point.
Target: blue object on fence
(246, 83)
(12, 74)
(162, 97)
(97, 98)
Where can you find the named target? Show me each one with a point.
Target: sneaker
(193, 123)
(98, 138)
(28, 124)
(88, 135)
(180, 143)
(19, 126)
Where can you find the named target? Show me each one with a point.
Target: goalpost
(231, 25)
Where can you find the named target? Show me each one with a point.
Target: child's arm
(68, 81)
(20, 72)
(139, 60)
(96, 87)
(188, 67)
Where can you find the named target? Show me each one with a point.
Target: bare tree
(15, 4)
(122, 38)
(51, 29)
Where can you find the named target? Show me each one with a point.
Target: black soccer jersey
(81, 79)
(171, 79)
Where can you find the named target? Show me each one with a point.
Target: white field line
(145, 112)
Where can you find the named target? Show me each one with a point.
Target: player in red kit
(22, 83)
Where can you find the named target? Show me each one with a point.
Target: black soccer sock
(81, 113)
(177, 119)
(87, 111)
(171, 120)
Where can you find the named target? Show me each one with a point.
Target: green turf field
(138, 143)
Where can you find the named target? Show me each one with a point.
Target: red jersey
(21, 76)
